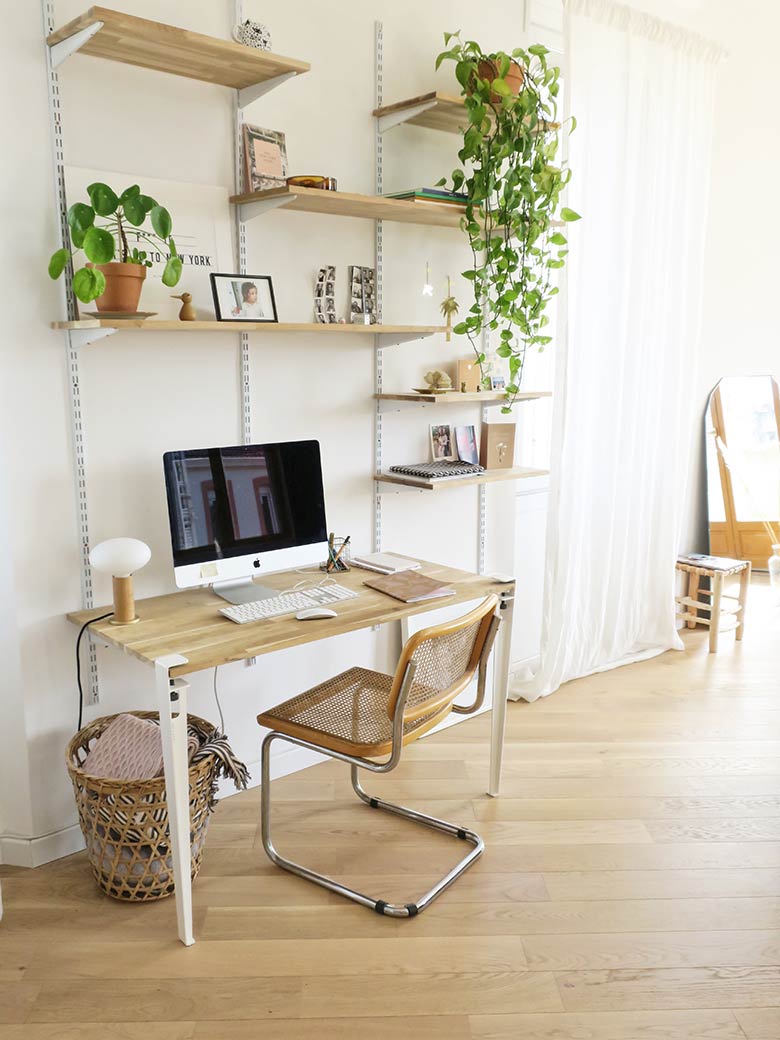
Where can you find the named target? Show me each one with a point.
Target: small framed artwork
(442, 443)
(497, 383)
(466, 443)
(243, 297)
(265, 158)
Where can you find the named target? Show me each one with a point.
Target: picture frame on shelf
(497, 382)
(466, 444)
(244, 297)
(265, 158)
(442, 443)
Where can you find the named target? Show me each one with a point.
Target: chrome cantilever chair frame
(357, 763)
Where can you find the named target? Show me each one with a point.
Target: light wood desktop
(183, 632)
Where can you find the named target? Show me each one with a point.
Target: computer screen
(244, 510)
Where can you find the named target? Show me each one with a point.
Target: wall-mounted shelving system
(250, 73)
(443, 112)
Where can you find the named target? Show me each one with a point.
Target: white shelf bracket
(384, 487)
(249, 210)
(391, 119)
(83, 337)
(246, 95)
(392, 339)
(63, 50)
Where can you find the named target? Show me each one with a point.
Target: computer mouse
(315, 613)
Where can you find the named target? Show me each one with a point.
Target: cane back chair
(361, 715)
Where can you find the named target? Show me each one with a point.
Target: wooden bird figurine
(187, 312)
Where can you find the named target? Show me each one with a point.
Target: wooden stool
(735, 606)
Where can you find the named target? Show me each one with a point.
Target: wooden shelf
(91, 329)
(488, 477)
(434, 110)
(455, 397)
(343, 204)
(103, 33)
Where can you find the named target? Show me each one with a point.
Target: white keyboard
(287, 603)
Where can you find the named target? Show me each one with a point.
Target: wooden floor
(630, 889)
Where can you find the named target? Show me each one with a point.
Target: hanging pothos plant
(512, 186)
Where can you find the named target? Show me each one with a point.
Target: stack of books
(435, 196)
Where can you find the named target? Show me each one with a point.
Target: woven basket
(125, 822)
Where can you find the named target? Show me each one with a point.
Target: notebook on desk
(410, 586)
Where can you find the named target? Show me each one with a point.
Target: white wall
(145, 395)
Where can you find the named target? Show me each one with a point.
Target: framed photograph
(243, 297)
(265, 158)
(497, 383)
(442, 443)
(362, 294)
(466, 443)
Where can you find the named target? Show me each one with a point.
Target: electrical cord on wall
(84, 628)
(219, 706)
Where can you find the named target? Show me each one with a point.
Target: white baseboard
(34, 852)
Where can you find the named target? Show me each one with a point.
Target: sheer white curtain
(642, 93)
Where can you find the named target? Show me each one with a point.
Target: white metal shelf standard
(54, 56)
(378, 260)
(238, 163)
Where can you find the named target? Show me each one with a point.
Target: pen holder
(341, 552)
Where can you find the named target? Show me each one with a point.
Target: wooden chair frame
(398, 713)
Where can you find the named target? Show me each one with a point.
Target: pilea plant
(127, 213)
(512, 188)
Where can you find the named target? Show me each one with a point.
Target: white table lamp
(121, 557)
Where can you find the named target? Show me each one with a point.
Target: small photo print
(243, 297)
(442, 443)
(362, 292)
(497, 383)
(466, 443)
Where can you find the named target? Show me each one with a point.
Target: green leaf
(569, 214)
(172, 272)
(538, 49)
(172, 247)
(147, 202)
(104, 200)
(557, 239)
(99, 246)
(504, 350)
(81, 217)
(161, 222)
(501, 87)
(88, 284)
(452, 55)
(134, 210)
(77, 237)
(58, 262)
(129, 193)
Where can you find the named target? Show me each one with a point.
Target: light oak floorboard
(630, 887)
(609, 1025)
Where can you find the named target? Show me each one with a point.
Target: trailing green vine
(513, 189)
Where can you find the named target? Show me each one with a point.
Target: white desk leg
(501, 664)
(172, 698)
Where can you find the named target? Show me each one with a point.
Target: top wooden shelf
(434, 110)
(104, 33)
(483, 397)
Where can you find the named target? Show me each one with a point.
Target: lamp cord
(83, 629)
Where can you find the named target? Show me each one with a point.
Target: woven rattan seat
(351, 709)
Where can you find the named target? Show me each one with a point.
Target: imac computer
(238, 513)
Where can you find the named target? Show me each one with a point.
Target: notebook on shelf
(384, 563)
(410, 586)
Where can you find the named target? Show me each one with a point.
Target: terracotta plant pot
(514, 78)
(123, 287)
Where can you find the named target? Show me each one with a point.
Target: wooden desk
(184, 632)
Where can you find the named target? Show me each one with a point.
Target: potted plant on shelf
(513, 188)
(115, 285)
